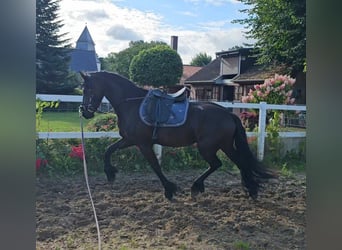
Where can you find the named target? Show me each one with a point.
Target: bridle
(87, 105)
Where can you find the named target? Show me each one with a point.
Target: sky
(202, 26)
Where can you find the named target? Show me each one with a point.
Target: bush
(103, 122)
(61, 161)
(249, 120)
(57, 153)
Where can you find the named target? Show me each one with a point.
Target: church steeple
(84, 57)
(85, 42)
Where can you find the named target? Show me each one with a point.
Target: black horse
(209, 126)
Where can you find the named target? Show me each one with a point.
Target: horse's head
(92, 96)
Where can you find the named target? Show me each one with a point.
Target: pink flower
(40, 163)
(289, 93)
(76, 152)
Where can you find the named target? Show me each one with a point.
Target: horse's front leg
(108, 168)
(170, 188)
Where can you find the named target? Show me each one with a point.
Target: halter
(89, 107)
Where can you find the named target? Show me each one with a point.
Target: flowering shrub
(77, 152)
(249, 119)
(41, 163)
(103, 122)
(41, 160)
(277, 90)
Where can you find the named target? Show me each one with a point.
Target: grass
(60, 122)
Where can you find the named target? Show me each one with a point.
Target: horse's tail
(253, 172)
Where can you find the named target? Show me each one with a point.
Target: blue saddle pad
(163, 112)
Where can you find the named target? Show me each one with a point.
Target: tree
(120, 62)
(52, 51)
(201, 60)
(280, 30)
(157, 66)
(236, 47)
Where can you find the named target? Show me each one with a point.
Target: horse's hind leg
(108, 168)
(170, 188)
(248, 181)
(209, 155)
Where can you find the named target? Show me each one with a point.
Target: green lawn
(61, 122)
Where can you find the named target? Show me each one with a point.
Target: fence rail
(261, 134)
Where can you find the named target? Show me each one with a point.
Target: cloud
(212, 2)
(112, 27)
(214, 25)
(120, 32)
(96, 15)
(191, 43)
(187, 13)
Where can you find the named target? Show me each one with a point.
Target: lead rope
(87, 183)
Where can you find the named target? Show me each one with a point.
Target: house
(232, 73)
(215, 81)
(84, 57)
(188, 70)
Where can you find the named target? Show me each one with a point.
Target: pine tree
(52, 51)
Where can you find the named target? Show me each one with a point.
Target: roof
(83, 60)
(206, 74)
(188, 70)
(83, 57)
(223, 71)
(85, 41)
(234, 52)
(258, 73)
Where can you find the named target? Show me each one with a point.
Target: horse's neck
(131, 91)
(128, 93)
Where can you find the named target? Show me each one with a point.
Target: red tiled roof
(208, 73)
(188, 71)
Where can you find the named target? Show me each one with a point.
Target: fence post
(262, 130)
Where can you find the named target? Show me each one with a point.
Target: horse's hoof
(170, 190)
(196, 189)
(110, 178)
(110, 173)
(254, 196)
(168, 195)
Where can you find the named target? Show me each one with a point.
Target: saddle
(161, 109)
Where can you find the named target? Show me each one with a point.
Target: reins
(87, 182)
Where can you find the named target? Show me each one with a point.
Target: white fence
(261, 134)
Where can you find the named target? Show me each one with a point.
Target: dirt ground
(133, 214)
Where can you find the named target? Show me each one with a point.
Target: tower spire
(85, 41)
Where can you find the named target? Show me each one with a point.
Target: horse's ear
(83, 74)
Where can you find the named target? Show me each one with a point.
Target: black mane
(124, 82)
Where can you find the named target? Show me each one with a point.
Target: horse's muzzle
(85, 112)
